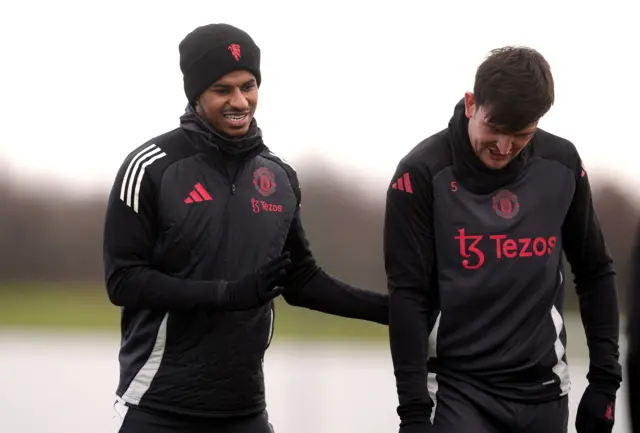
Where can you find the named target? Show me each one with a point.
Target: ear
(198, 107)
(469, 104)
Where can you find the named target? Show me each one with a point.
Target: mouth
(236, 119)
(497, 154)
(498, 157)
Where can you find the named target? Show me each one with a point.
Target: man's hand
(596, 411)
(259, 287)
(416, 428)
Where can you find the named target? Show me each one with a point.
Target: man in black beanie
(203, 230)
(206, 55)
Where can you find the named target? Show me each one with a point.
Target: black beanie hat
(209, 52)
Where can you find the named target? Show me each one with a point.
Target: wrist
(423, 426)
(603, 382)
(420, 420)
(220, 296)
(608, 389)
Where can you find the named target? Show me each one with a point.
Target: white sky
(82, 84)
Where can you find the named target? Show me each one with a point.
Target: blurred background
(348, 89)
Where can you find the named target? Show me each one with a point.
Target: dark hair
(515, 85)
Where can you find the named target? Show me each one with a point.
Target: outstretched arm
(310, 287)
(409, 261)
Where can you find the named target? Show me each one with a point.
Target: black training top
(190, 211)
(474, 264)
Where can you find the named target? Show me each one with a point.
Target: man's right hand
(259, 287)
(417, 428)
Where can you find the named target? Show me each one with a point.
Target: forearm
(408, 335)
(409, 252)
(592, 266)
(309, 286)
(145, 288)
(321, 292)
(601, 319)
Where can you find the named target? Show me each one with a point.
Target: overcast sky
(82, 84)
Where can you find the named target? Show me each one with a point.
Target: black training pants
(461, 408)
(136, 420)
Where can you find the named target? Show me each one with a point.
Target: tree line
(46, 237)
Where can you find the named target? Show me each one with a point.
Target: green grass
(77, 308)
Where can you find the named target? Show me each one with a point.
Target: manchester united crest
(264, 181)
(235, 51)
(505, 204)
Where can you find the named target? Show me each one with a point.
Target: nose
(238, 101)
(504, 144)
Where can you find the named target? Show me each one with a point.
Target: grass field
(58, 307)
(77, 308)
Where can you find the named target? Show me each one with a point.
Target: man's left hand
(596, 411)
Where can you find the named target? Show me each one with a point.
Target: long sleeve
(128, 245)
(594, 277)
(409, 260)
(311, 287)
(633, 351)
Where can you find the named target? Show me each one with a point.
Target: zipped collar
(230, 146)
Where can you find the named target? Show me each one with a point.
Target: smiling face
(230, 103)
(493, 145)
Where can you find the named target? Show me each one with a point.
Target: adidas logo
(403, 184)
(198, 193)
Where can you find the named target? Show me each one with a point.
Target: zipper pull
(233, 188)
